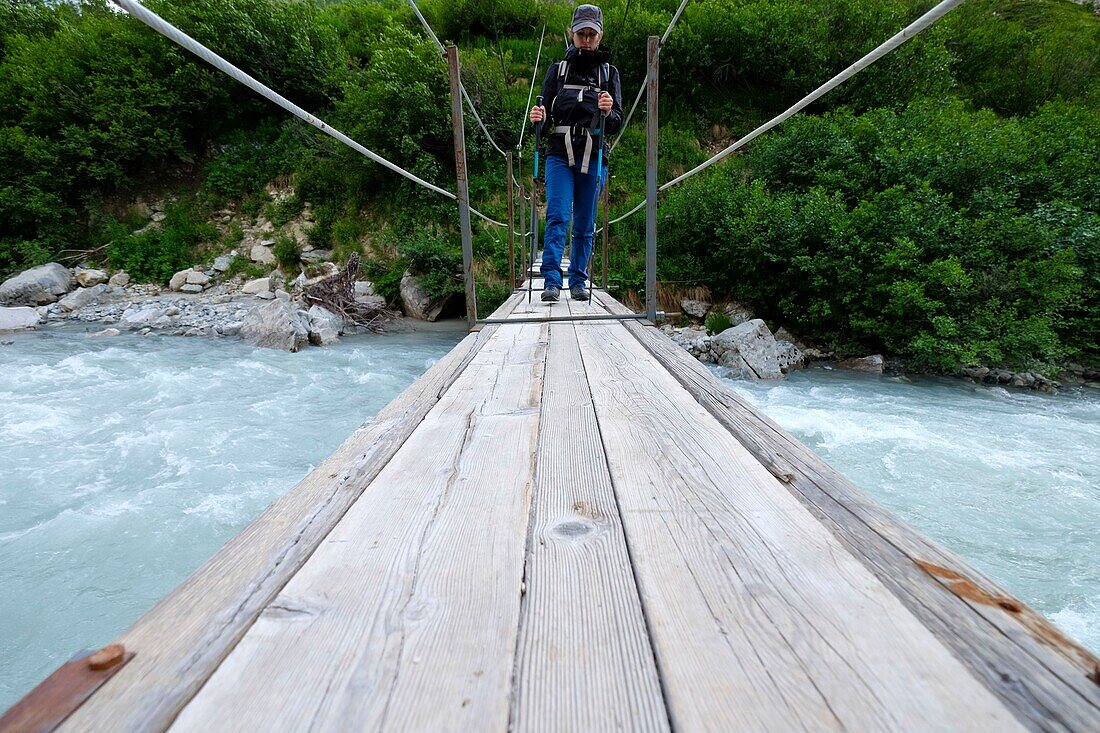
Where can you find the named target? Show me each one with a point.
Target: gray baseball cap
(587, 16)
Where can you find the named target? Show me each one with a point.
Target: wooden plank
(760, 618)
(1048, 680)
(181, 640)
(406, 616)
(584, 659)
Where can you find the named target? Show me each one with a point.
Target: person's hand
(538, 114)
(605, 102)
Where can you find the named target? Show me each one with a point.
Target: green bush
(435, 259)
(287, 252)
(157, 254)
(717, 322)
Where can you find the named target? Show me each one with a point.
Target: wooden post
(606, 228)
(651, 179)
(463, 191)
(511, 219)
(517, 278)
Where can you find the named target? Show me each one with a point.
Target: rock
(173, 311)
(748, 350)
(283, 295)
(136, 317)
(266, 295)
(221, 264)
(90, 278)
(15, 319)
(36, 286)
(871, 364)
(179, 280)
(107, 332)
(316, 255)
(371, 301)
(977, 373)
(325, 326)
(158, 216)
(416, 302)
(197, 278)
(255, 287)
(82, 297)
(191, 288)
(363, 287)
(790, 357)
(262, 254)
(694, 308)
(119, 280)
(738, 313)
(276, 325)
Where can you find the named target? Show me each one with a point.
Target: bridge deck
(573, 526)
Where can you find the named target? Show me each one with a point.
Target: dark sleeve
(549, 88)
(615, 117)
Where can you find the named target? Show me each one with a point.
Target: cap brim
(587, 24)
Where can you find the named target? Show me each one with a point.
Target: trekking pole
(596, 203)
(535, 204)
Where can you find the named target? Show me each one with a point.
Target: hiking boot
(578, 292)
(550, 294)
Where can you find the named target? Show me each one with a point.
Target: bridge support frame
(652, 59)
(463, 190)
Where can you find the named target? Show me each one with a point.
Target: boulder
(197, 278)
(417, 303)
(136, 317)
(316, 255)
(191, 288)
(276, 325)
(82, 297)
(119, 280)
(694, 308)
(325, 326)
(871, 364)
(790, 357)
(748, 350)
(15, 319)
(738, 313)
(107, 332)
(221, 264)
(376, 302)
(255, 287)
(90, 278)
(262, 254)
(363, 287)
(179, 280)
(36, 286)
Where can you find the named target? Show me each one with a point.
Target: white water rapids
(128, 461)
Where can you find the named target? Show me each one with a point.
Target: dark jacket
(571, 99)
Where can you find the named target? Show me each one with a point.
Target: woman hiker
(576, 91)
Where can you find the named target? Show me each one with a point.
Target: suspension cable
(641, 90)
(910, 31)
(531, 91)
(461, 86)
(169, 31)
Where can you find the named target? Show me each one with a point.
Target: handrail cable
(910, 31)
(461, 86)
(641, 91)
(531, 91)
(169, 31)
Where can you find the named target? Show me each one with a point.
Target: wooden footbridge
(575, 526)
(569, 524)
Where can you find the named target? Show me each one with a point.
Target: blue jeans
(569, 194)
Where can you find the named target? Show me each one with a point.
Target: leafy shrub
(244, 266)
(156, 254)
(287, 252)
(438, 262)
(717, 322)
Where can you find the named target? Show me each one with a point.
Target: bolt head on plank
(107, 657)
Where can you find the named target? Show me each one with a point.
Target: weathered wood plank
(181, 641)
(760, 618)
(1040, 674)
(584, 660)
(406, 616)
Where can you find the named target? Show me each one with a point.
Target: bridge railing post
(511, 219)
(463, 190)
(653, 47)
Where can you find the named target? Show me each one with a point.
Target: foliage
(435, 259)
(717, 322)
(154, 255)
(287, 252)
